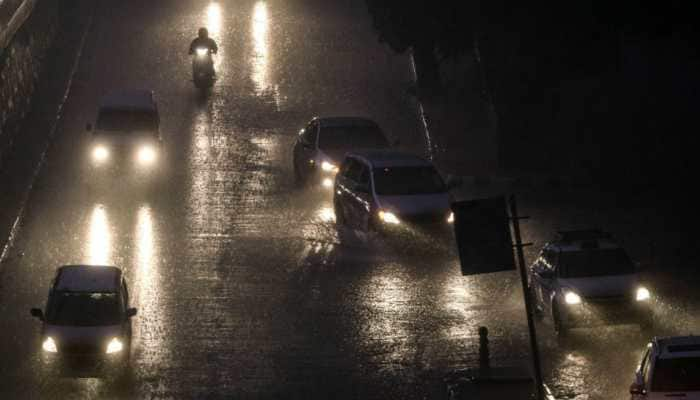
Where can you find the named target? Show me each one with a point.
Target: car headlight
(389, 217)
(146, 155)
(328, 167)
(49, 345)
(451, 218)
(202, 52)
(327, 183)
(572, 298)
(643, 294)
(100, 153)
(115, 346)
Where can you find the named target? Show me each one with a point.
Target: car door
(345, 190)
(305, 148)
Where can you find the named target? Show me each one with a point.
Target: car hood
(72, 335)
(416, 204)
(602, 286)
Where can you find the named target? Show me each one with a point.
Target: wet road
(243, 287)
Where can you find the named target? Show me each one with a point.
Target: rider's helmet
(203, 33)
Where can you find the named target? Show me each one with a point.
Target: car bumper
(605, 313)
(84, 365)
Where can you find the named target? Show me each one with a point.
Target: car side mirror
(37, 313)
(130, 312)
(638, 389)
(88, 127)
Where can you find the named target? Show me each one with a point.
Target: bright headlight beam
(202, 52)
(328, 167)
(49, 345)
(114, 346)
(146, 155)
(100, 153)
(643, 294)
(572, 298)
(327, 183)
(389, 218)
(451, 218)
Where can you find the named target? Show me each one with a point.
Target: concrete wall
(21, 62)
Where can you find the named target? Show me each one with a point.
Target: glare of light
(144, 239)
(451, 218)
(99, 237)
(213, 19)
(327, 183)
(572, 298)
(100, 153)
(643, 294)
(260, 58)
(115, 346)
(146, 155)
(328, 167)
(326, 214)
(49, 345)
(202, 52)
(389, 217)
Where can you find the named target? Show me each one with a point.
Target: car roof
(677, 346)
(580, 240)
(129, 99)
(390, 158)
(344, 121)
(88, 278)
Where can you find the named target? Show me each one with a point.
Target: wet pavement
(243, 286)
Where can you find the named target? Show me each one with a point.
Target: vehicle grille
(82, 348)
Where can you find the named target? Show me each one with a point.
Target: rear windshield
(594, 262)
(127, 120)
(397, 181)
(84, 309)
(351, 137)
(676, 375)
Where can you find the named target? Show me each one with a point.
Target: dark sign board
(482, 231)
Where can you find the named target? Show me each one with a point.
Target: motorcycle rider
(203, 40)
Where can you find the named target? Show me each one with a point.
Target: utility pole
(536, 364)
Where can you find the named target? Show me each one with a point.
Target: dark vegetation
(608, 90)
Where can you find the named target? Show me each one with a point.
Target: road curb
(49, 141)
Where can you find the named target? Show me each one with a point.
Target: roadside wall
(21, 62)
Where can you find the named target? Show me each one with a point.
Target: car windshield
(356, 137)
(594, 262)
(397, 181)
(676, 375)
(127, 120)
(83, 309)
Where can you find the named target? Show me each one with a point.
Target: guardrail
(20, 15)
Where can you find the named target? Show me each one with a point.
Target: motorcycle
(203, 68)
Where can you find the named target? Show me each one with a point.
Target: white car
(390, 191)
(126, 135)
(585, 278)
(322, 144)
(86, 328)
(670, 369)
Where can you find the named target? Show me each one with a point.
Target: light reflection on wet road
(242, 284)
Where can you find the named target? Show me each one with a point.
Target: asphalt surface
(243, 286)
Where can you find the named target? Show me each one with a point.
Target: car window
(676, 375)
(351, 137)
(121, 120)
(84, 309)
(363, 178)
(594, 262)
(397, 181)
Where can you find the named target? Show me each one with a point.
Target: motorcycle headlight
(389, 217)
(451, 218)
(572, 298)
(49, 345)
(202, 52)
(643, 294)
(146, 155)
(100, 153)
(115, 346)
(328, 167)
